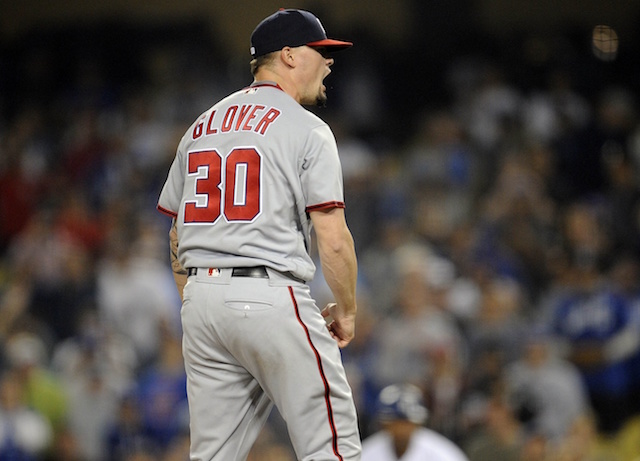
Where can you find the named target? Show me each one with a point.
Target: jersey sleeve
(171, 194)
(321, 175)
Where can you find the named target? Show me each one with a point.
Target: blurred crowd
(498, 243)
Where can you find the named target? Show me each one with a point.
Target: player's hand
(341, 326)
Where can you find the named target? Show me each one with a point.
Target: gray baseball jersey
(240, 199)
(245, 177)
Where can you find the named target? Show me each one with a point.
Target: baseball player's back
(251, 176)
(257, 143)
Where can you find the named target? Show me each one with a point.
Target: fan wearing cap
(401, 414)
(252, 176)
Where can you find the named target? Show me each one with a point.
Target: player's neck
(287, 85)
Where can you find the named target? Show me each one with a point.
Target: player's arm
(339, 266)
(179, 272)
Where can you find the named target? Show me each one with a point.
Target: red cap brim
(335, 45)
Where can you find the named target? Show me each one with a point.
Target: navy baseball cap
(401, 402)
(290, 27)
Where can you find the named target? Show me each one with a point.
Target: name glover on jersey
(245, 117)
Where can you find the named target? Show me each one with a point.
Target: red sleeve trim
(169, 213)
(324, 206)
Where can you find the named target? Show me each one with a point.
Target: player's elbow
(339, 244)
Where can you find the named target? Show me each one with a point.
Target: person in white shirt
(401, 415)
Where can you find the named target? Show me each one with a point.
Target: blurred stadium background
(491, 152)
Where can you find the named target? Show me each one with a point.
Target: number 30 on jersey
(236, 195)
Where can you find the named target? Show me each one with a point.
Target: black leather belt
(259, 272)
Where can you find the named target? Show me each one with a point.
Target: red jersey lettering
(266, 120)
(241, 115)
(227, 123)
(251, 116)
(210, 129)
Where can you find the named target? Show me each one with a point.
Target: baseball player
(250, 179)
(402, 414)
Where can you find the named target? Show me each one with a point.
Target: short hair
(263, 60)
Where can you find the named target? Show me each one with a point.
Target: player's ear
(287, 56)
